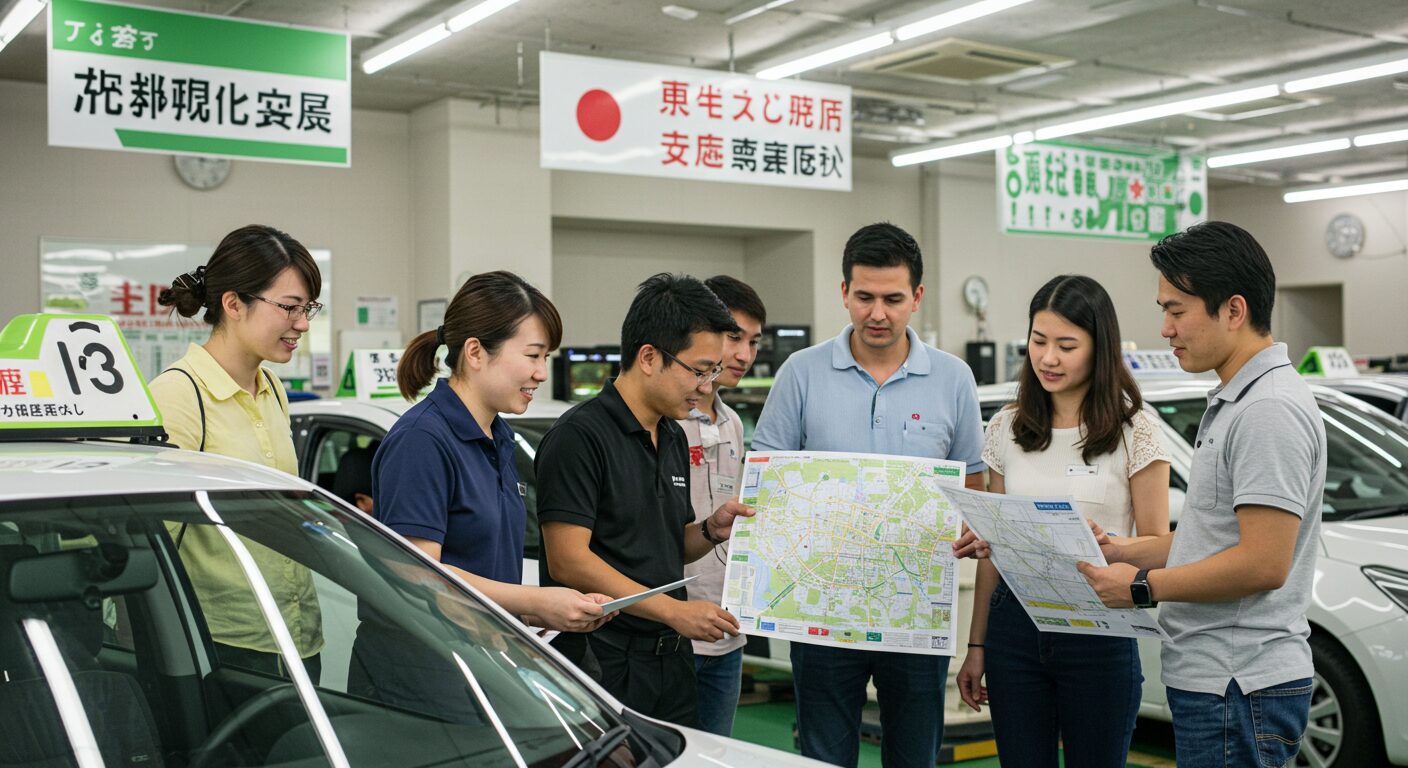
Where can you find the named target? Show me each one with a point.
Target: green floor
(769, 723)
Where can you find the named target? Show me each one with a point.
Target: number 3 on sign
(91, 352)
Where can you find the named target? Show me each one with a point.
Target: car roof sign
(72, 376)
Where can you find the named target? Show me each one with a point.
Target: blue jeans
(1261, 728)
(718, 679)
(831, 692)
(1048, 688)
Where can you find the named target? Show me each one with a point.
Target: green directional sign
(148, 80)
(1082, 190)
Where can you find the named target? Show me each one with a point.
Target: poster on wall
(123, 280)
(638, 119)
(147, 80)
(1081, 190)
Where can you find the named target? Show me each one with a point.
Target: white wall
(361, 214)
(1375, 307)
(1015, 266)
(597, 271)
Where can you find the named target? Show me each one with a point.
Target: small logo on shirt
(523, 489)
(678, 481)
(696, 455)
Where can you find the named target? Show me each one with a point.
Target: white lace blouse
(1100, 489)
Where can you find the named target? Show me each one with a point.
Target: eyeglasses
(700, 377)
(295, 311)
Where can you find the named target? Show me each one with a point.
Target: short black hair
(738, 296)
(883, 245)
(666, 311)
(1215, 261)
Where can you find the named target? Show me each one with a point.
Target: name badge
(724, 485)
(523, 489)
(1082, 470)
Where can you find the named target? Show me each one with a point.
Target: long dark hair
(247, 261)
(1112, 398)
(488, 307)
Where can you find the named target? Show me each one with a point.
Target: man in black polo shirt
(614, 503)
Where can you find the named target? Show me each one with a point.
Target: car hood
(1378, 541)
(705, 750)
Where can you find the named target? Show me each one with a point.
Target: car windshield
(107, 649)
(1366, 454)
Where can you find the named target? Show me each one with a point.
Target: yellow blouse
(255, 428)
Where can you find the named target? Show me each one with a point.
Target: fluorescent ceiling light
(828, 56)
(412, 46)
(755, 10)
(946, 151)
(1277, 153)
(1156, 111)
(478, 13)
(19, 17)
(1347, 76)
(456, 18)
(1353, 190)
(1386, 137)
(955, 17)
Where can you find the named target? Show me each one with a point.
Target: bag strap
(200, 402)
(283, 399)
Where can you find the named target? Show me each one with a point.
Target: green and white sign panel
(1080, 190)
(146, 80)
(71, 372)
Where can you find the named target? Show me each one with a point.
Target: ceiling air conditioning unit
(962, 62)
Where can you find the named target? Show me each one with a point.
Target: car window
(528, 434)
(411, 663)
(330, 444)
(1365, 456)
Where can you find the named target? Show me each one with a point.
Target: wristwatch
(704, 529)
(1139, 591)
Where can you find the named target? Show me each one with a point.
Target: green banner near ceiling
(1080, 190)
(148, 80)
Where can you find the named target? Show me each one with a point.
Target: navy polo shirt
(598, 469)
(437, 476)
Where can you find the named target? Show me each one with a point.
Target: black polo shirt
(598, 469)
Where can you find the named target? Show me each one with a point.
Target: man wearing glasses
(614, 501)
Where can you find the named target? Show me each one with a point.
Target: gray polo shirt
(1262, 443)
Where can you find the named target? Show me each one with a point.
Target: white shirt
(1101, 488)
(715, 464)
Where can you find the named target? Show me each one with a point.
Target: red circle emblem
(598, 115)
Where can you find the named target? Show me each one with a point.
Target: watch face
(202, 172)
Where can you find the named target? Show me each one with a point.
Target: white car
(106, 655)
(1359, 611)
(1386, 391)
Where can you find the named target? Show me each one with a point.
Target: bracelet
(976, 645)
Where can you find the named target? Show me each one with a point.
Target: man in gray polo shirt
(1235, 578)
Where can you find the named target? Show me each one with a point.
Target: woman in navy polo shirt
(444, 476)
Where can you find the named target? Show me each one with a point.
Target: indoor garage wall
(1373, 282)
(361, 214)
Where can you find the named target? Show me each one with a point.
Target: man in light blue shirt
(875, 388)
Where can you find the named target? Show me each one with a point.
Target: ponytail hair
(247, 261)
(488, 307)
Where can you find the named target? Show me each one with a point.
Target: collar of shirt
(1266, 360)
(216, 380)
(709, 435)
(917, 363)
(459, 418)
(615, 405)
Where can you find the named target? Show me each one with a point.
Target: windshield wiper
(1365, 514)
(598, 749)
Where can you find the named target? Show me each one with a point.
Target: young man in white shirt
(715, 437)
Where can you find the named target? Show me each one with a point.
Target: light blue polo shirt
(823, 400)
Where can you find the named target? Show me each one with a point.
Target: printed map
(847, 549)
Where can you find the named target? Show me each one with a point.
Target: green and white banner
(1079, 190)
(140, 79)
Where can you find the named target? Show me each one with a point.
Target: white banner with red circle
(624, 117)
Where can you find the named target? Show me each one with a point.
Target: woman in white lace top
(1078, 428)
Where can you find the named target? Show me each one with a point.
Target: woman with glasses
(257, 293)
